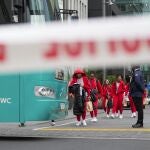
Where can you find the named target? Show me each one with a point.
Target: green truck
(34, 96)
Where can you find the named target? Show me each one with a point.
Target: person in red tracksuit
(79, 77)
(127, 89)
(144, 97)
(95, 85)
(118, 89)
(107, 93)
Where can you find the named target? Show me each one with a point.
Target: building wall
(95, 8)
(125, 7)
(99, 8)
(80, 5)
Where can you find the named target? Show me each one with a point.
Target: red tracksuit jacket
(95, 84)
(120, 90)
(85, 81)
(107, 90)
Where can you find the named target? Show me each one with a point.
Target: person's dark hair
(92, 72)
(119, 75)
(127, 78)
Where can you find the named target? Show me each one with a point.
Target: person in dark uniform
(136, 92)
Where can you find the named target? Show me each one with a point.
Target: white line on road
(60, 125)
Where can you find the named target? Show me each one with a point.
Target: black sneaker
(137, 125)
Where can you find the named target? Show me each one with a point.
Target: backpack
(109, 103)
(93, 95)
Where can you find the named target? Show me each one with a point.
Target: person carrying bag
(95, 89)
(107, 98)
(89, 106)
(80, 84)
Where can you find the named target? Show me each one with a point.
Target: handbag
(100, 103)
(125, 100)
(93, 92)
(89, 106)
(93, 95)
(145, 101)
(109, 103)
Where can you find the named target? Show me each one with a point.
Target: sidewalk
(104, 127)
(69, 117)
(101, 116)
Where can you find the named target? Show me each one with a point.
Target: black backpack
(93, 95)
(109, 103)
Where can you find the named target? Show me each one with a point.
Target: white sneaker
(78, 123)
(107, 116)
(117, 115)
(134, 114)
(52, 123)
(84, 123)
(121, 116)
(112, 116)
(95, 119)
(92, 119)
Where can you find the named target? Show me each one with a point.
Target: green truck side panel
(26, 106)
(9, 90)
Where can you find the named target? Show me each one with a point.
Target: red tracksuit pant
(83, 116)
(106, 109)
(95, 109)
(117, 103)
(132, 106)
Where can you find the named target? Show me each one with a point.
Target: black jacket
(79, 99)
(137, 83)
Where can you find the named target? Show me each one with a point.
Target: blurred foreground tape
(95, 43)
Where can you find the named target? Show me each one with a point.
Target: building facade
(104, 8)
(98, 8)
(133, 7)
(81, 6)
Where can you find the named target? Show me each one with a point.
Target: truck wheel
(22, 125)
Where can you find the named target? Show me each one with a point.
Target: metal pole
(104, 15)
(124, 71)
(104, 73)
(104, 7)
(65, 6)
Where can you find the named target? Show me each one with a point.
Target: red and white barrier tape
(98, 43)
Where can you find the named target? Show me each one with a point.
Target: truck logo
(5, 100)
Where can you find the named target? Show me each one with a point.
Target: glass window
(5, 12)
(134, 6)
(39, 11)
(33, 11)
(61, 74)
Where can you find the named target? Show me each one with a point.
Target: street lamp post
(104, 7)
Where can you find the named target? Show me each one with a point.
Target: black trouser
(139, 107)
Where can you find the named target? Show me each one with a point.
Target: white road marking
(36, 129)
